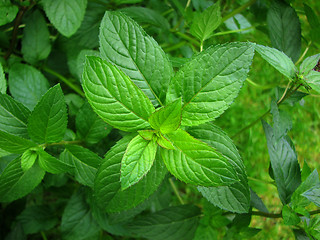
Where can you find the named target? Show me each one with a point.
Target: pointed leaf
(114, 97)
(308, 64)
(210, 82)
(16, 183)
(28, 158)
(137, 161)
(164, 143)
(8, 12)
(14, 144)
(196, 162)
(3, 81)
(48, 121)
(65, 15)
(313, 195)
(313, 80)
(257, 202)
(125, 44)
(51, 164)
(278, 60)
(147, 134)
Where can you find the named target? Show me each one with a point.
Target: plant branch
(238, 10)
(44, 237)
(77, 142)
(304, 53)
(175, 190)
(279, 215)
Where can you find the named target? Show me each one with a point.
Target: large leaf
(16, 183)
(8, 12)
(36, 39)
(13, 116)
(48, 121)
(27, 84)
(124, 43)
(137, 161)
(14, 144)
(196, 162)
(3, 81)
(209, 83)
(173, 223)
(236, 197)
(284, 164)
(65, 15)
(114, 97)
(284, 29)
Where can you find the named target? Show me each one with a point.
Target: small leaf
(114, 97)
(3, 81)
(313, 195)
(197, 163)
(28, 158)
(52, 164)
(289, 216)
(164, 143)
(8, 12)
(137, 161)
(14, 144)
(48, 121)
(313, 80)
(168, 118)
(278, 60)
(257, 202)
(292, 99)
(65, 15)
(147, 134)
(309, 64)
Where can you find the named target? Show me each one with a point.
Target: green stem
(188, 38)
(304, 53)
(77, 142)
(73, 86)
(238, 10)
(187, 5)
(174, 47)
(269, 86)
(259, 180)
(279, 215)
(175, 190)
(234, 31)
(44, 237)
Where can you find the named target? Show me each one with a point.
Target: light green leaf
(16, 183)
(313, 195)
(278, 60)
(235, 197)
(196, 162)
(125, 44)
(3, 81)
(8, 12)
(35, 44)
(28, 158)
(27, 84)
(214, 78)
(164, 143)
(172, 223)
(48, 121)
(167, 119)
(14, 144)
(238, 22)
(137, 161)
(13, 116)
(308, 64)
(289, 216)
(84, 162)
(52, 164)
(65, 15)
(313, 80)
(205, 23)
(114, 97)
(147, 134)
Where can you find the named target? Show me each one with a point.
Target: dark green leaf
(289, 216)
(300, 234)
(314, 22)
(313, 194)
(16, 233)
(81, 59)
(282, 122)
(28, 158)
(14, 144)
(125, 44)
(8, 12)
(3, 81)
(284, 29)
(257, 202)
(48, 121)
(292, 99)
(214, 78)
(306, 171)
(52, 164)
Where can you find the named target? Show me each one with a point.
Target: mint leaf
(125, 44)
(284, 29)
(13, 116)
(35, 43)
(214, 78)
(164, 143)
(3, 81)
(313, 194)
(313, 80)
(48, 121)
(147, 134)
(51, 164)
(282, 122)
(114, 97)
(235, 197)
(309, 64)
(278, 60)
(8, 12)
(205, 23)
(65, 15)
(28, 158)
(313, 21)
(27, 84)
(14, 144)
(196, 162)
(289, 216)
(178, 222)
(168, 118)
(16, 183)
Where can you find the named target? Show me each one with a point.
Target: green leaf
(167, 119)
(292, 99)
(309, 64)
(306, 171)
(125, 44)
(214, 78)
(48, 121)
(278, 60)
(137, 161)
(65, 15)
(282, 122)
(313, 195)
(284, 29)
(35, 44)
(238, 22)
(284, 164)
(114, 97)
(236, 197)
(81, 59)
(172, 223)
(289, 216)
(13, 116)
(164, 143)
(257, 202)
(8, 12)
(84, 162)
(3, 81)
(37, 218)
(77, 220)
(27, 84)
(28, 158)
(107, 185)
(205, 23)
(196, 162)
(314, 23)
(14, 144)
(16, 183)
(90, 127)
(52, 164)
(147, 134)
(313, 80)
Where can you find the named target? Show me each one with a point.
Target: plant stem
(186, 37)
(175, 190)
(74, 87)
(44, 237)
(187, 5)
(238, 10)
(62, 143)
(279, 215)
(233, 31)
(269, 86)
(304, 53)
(259, 180)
